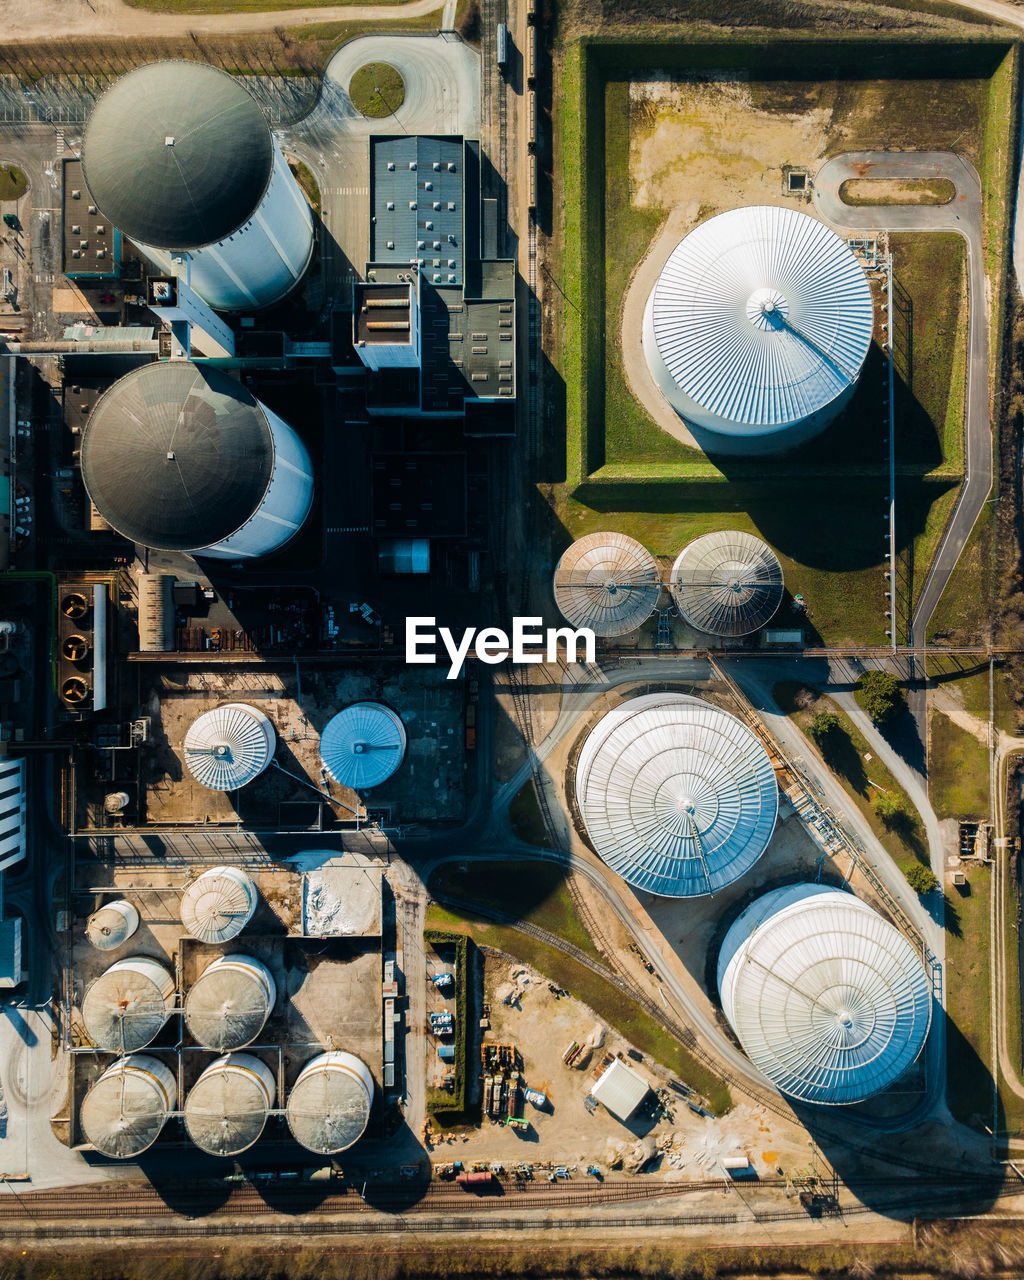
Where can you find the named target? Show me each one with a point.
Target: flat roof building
(92, 244)
(620, 1090)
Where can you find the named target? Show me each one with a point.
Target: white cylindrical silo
(678, 797)
(829, 1000)
(363, 745)
(329, 1104)
(218, 904)
(127, 1005)
(124, 1111)
(727, 583)
(180, 158)
(757, 329)
(607, 582)
(229, 746)
(112, 925)
(205, 468)
(226, 1109)
(230, 1002)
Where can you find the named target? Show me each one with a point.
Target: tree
(881, 696)
(824, 728)
(922, 879)
(892, 811)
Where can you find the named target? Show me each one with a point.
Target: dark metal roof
(418, 201)
(177, 154)
(177, 457)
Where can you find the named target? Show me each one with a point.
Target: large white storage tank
(329, 1104)
(678, 797)
(363, 745)
(727, 583)
(607, 582)
(180, 158)
(124, 1111)
(226, 1109)
(229, 1003)
(218, 904)
(182, 458)
(829, 1000)
(757, 329)
(229, 746)
(112, 925)
(127, 1005)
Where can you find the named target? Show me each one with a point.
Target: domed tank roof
(112, 925)
(127, 1005)
(329, 1105)
(607, 582)
(177, 154)
(761, 317)
(678, 797)
(229, 746)
(727, 583)
(229, 1003)
(218, 904)
(828, 999)
(176, 457)
(226, 1109)
(124, 1111)
(363, 745)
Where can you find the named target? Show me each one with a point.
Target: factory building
(123, 1113)
(829, 1000)
(757, 329)
(179, 458)
(179, 158)
(329, 1104)
(126, 1007)
(229, 1003)
(363, 745)
(607, 582)
(677, 796)
(227, 1107)
(229, 747)
(620, 1090)
(92, 244)
(218, 904)
(727, 583)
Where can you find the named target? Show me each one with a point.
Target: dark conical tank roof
(177, 154)
(177, 457)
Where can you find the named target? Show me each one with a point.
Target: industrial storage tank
(124, 1111)
(218, 904)
(229, 746)
(727, 583)
(112, 925)
(329, 1105)
(127, 1005)
(363, 745)
(757, 329)
(829, 1000)
(180, 458)
(230, 1002)
(678, 797)
(226, 1109)
(180, 158)
(607, 582)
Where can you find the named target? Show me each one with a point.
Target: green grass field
(377, 90)
(13, 183)
(872, 192)
(308, 183)
(968, 1001)
(958, 771)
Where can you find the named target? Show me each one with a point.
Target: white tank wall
(120, 930)
(285, 505)
(251, 967)
(247, 1065)
(152, 969)
(157, 1073)
(262, 260)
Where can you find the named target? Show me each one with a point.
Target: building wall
(12, 811)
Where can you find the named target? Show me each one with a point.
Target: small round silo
(230, 746)
(112, 925)
(727, 583)
(127, 1005)
(229, 1003)
(363, 745)
(124, 1111)
(607, 582)
(226, 1109)
(218, 904)
(329, 1104)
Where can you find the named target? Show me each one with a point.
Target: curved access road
(963, 216)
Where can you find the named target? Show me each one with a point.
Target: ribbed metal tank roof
(329, 1105)
(124, 1111)
(829, 1000)
(112, 925)
(229, 746)
(226, 1109)
(607, 582)
(127, 1005)
(678, 797)
(762, 316)
(363, 745)
(218, 904)
(177, 154)
(229, 1003)
(727, 583)
(176, 457)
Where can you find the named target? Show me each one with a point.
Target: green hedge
(455, 1103)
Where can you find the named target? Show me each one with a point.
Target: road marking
(348, 191)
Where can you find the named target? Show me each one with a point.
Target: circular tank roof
(177, 155)
(607, 582)
(329, 1105)
(125, 1008)
(124, 1111)
(229, 746)
(176, 457)
(727, 583)
(228, 1005)
(218, 905)
(829, 1000)
(112, 925)
(678, 797)
(762, 316)
(226, 1109)
(363, 745)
